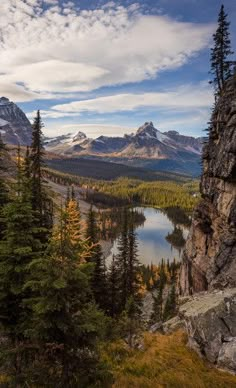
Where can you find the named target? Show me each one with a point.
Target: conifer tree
(91, 229)
(129, 323)
(68, 196)
(17, 250)
(99, 281)
(163, 277)
(40, 201)
(157, 310)
(133, 266)
(128, 264)
(3, 188)
(65, 322)
(72, 192)
(26, 164)
(122, 261)
(113, 288)
(221, 67)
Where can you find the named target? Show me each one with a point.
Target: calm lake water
(152, 242)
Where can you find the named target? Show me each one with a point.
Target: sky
(105, 68)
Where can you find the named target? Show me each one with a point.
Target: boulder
(210, 321)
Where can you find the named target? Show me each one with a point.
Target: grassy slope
(165, 362)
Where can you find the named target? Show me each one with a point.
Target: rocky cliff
(15, 128)
(209, 259)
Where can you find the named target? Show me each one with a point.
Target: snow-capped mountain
(147, 142)
(15, 128)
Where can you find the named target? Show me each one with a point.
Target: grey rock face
(209, 260)
(227, 355)
(209, 319)
(15, 128)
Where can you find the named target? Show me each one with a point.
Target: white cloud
(95, 130)
(185, 98)
(51, 114)
(61, 49)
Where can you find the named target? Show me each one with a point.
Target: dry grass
(165, 362)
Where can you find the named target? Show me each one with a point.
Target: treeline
(57, 298)
(110, 222)
(161, 281)
(126, 191)
(160, 194)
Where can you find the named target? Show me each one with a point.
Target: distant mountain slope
(98, 169)
(147, 142)
(148, 147)
(15, 128)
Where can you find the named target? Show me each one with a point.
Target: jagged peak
(4, 101)
(79, 136)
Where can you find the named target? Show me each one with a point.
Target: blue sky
(107, 67)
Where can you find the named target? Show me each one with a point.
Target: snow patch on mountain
(14, 125)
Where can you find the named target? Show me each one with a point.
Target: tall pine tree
(40, 201)
(3, 188)
(99, 281)
(113, 288)
(17, 250)
(221, 66)
(65, 323)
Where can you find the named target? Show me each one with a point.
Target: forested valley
(55, 317)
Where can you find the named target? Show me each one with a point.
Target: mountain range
(148, 147)
(147, 142)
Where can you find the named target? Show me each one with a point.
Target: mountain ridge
(146, 142)
(148, 147)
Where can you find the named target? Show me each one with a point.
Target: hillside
(164, 361)
(98, 169)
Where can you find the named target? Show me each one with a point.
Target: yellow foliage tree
(68, 233)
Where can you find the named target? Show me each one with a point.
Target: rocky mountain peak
(147, 129)
(15, 128)
(4, 101)
(79, 136)
(209, 258)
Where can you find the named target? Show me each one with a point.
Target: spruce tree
(221, 67)
(129, 323)
(122, 261)
(17, 250)
(133, 265)
(91, 227)
(157, 309)
(3, 188)
(128, 264)
(99, 281)
(65, 322)
(42, 204)
(113, 288)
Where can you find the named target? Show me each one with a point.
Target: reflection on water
(159, 237)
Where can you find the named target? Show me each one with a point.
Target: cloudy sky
(107, 67)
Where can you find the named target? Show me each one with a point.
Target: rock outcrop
(209, 318)
(209, 260)
(15, 128)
